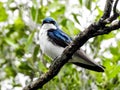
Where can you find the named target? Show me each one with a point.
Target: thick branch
(94, 29)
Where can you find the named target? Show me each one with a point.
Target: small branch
(107, 10)
(115, 14)
(114, 8)
(107, 29)
(95, 29)
(112, 27)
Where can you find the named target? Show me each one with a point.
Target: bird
(53, 42)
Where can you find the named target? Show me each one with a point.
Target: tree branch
(107, 9)
(115, 6)
(95, 29)
(116, 13)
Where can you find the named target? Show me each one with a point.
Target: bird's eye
(44, 22)
(52, 22)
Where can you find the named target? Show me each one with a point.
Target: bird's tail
(82, 60)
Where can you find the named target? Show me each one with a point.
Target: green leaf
(19, 24)
(29, 41)
(47, 58)
(59, 12)
(113, 72)
(3, 14)
(81, 2)
(114, 50)
(75, 17)
(71, 27)
(100, 12)
(36, 51)
(20, 52)
(26, 68)
(10, 71)
(11, 42)
(88, 4)
(39, 13)
(108, 36)
(42, 67)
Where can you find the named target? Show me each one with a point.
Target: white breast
(46, 46)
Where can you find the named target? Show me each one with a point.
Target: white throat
(46, 46)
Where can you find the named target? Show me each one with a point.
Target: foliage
(20, 55)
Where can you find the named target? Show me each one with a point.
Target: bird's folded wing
(58, 37)
(82, 60)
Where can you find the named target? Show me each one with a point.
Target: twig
(116, 13)
(107, 9)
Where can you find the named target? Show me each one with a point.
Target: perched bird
(53, 42)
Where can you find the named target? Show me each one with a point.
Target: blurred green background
(20, 56)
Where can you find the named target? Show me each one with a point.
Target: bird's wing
(58, 37)
(82, 60)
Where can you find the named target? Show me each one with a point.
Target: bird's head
(49, 23)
